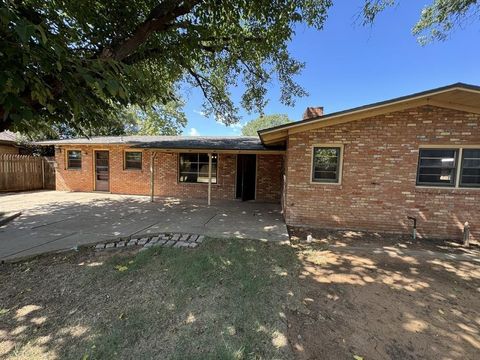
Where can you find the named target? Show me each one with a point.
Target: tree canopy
(80, 64)
(160, 119)
(264, 122)
(436, 20)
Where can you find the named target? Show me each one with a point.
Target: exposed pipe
(466, 234)
(414, 231)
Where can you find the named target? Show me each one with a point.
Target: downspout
(152, 175)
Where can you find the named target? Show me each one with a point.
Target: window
(74, 159)
(133, 160)
(470, 172)
(437, 167)
(194, 168)
(326, 164)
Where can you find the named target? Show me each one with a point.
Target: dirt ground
(345, 295)
(386, 297)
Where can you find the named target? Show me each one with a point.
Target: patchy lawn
(224, 300)
(345, 295)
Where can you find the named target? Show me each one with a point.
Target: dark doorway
(246, 176)
(101, 171)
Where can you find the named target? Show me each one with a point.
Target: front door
(246, 176)
(101, 171)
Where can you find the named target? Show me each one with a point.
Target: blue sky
(349, 65)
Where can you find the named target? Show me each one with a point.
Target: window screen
(133, 160)
(437, 167)
(74, 159)
(470, 172)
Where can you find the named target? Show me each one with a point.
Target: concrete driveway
(54, 220)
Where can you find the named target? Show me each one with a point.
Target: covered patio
(55, 220)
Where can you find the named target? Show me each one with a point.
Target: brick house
(241, 167)
(367, 168)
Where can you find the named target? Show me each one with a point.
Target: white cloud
(200, 112)
(238, 125)
(193, 132)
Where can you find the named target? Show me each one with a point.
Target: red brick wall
(73, 179)
(137, 182)
(166, 179)
(378, 188)
(269, 177)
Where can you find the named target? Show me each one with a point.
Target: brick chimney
(312, 112)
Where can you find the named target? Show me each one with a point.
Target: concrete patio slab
(53, 220)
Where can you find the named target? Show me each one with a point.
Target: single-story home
(367, 168)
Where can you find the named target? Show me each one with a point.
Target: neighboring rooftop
(8, 137)
(172, 142)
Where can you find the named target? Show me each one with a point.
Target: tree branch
(159, 19)
(198, 79)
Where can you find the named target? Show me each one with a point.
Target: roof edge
(422, 94)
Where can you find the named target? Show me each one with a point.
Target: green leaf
(112, 87)
(24, 31)
(42, 34)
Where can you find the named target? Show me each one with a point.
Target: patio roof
(215, 143)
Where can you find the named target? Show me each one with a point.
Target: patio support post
(209, 177)
(152, 175)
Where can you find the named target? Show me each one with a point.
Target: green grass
(223, 300)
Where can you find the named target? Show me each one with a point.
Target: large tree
(75, 63)
(264, 122)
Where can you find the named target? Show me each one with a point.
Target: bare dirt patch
(385, 297)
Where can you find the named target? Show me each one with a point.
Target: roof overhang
(459, 96)
(218, 151)
(179, 150)
(172, 144)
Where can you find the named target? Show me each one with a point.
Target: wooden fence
(25, 172)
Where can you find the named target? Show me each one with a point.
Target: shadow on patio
(56, 220)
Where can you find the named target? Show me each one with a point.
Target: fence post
(43, 173)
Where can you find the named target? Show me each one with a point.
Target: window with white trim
(449, 167)
(326, 164)
(193, 168)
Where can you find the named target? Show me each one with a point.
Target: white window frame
(340, 165)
